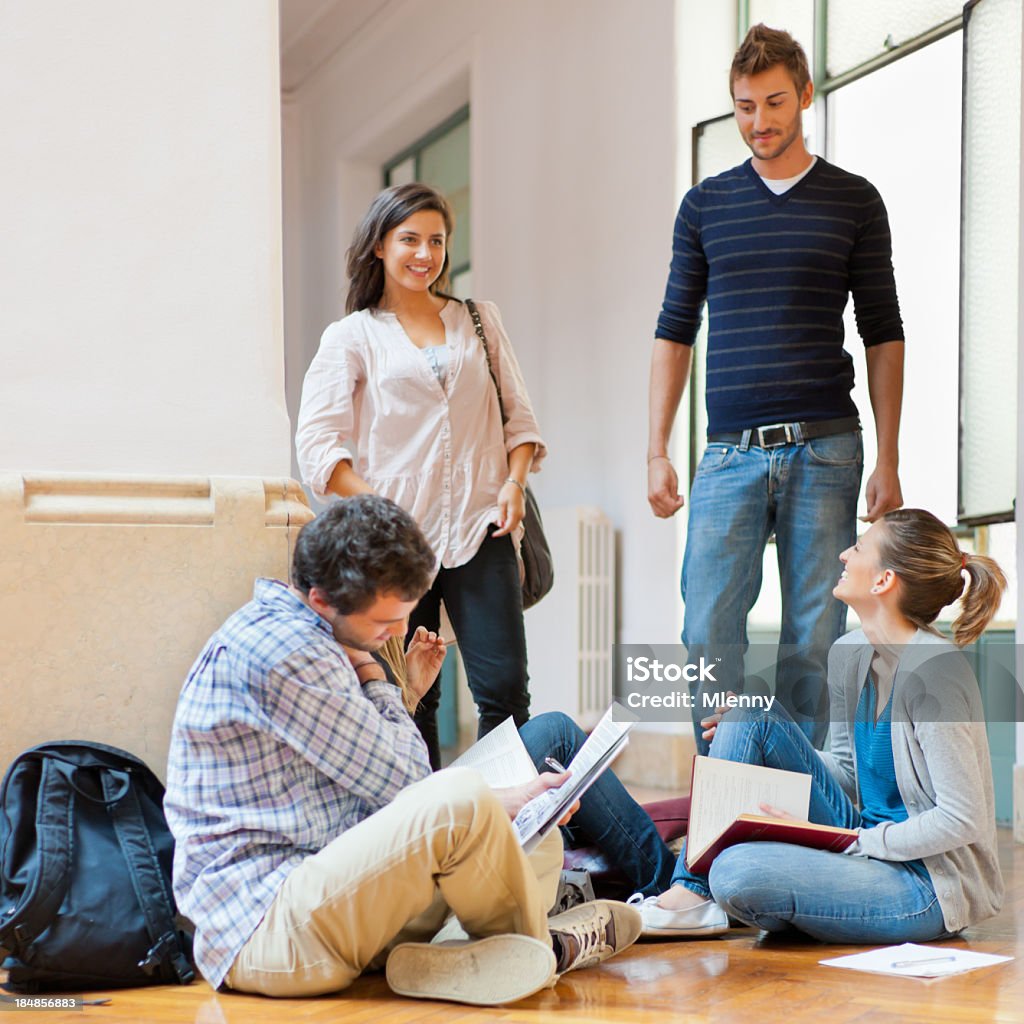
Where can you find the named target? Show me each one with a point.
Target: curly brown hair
(359, 548)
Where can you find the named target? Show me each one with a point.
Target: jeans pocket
(836, 449)
(716, 457)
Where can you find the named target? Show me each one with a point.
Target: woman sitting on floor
(909, 766)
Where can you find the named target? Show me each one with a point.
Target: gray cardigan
(943, 770)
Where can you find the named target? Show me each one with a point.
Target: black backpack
(85, 873)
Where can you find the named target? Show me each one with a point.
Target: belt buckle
(775, 435)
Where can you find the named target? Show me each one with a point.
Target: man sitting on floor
(312, 842)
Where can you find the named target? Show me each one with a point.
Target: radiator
(570, 633)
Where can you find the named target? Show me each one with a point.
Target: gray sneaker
(483, 972)
(592, 932)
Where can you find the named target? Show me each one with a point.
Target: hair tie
(963, 560)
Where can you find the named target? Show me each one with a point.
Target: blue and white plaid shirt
(276, 750)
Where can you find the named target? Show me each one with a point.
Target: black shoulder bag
(538, 566)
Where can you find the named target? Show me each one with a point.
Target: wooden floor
(738, 977)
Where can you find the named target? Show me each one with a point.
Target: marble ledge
(79, 499)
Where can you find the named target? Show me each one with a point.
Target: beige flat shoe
(482, 972)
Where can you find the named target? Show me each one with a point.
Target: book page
(500, 757)
(542, 813)
(721, 790)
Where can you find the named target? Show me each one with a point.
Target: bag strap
(478, 325)
(147, 876)
(43, 895)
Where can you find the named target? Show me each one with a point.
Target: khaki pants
(443, 846)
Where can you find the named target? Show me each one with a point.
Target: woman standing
(399, 401)
(909, 766)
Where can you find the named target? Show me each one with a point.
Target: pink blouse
(440, 453)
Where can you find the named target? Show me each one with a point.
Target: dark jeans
(485, 604)
(608, 818)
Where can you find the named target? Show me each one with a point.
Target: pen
(917, 963)
(552, 763)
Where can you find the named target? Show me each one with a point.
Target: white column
(144, 440)
(140, 271)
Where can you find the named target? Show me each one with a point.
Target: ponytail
(985, 587)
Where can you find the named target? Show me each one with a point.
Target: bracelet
(651, 458)
(513, 480)
(363, 664)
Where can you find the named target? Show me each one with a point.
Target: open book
(502, 759)
(725, 809)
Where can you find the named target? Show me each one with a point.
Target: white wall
(140, 271)
(573, 162)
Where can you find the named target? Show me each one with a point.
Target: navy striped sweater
(776, 272)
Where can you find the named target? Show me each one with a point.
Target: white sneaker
(707, 918)
(592, 932)
(482, 972)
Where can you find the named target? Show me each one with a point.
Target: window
(991, 262)
(858, 32)
(900, 128)
(952, 192)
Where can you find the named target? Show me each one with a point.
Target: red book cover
(750, 828)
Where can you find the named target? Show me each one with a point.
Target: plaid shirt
(276, 750)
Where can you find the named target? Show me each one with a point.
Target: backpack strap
(45, 891)
(147, 877)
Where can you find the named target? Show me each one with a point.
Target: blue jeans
(608, 818)
(833, 897)
(806, 494)
(484, 599)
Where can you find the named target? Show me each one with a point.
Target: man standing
(312, 841)
(776, 246)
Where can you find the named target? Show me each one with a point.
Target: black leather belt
(777, 434)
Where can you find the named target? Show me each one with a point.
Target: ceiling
(312, 30)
